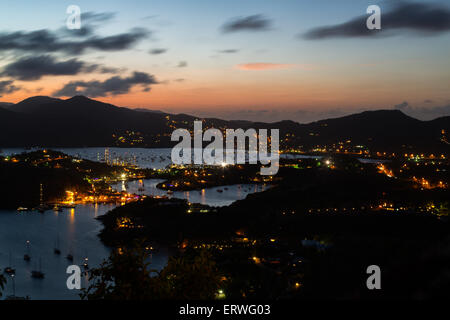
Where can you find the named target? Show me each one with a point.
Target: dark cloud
(250, 23)
(45, 41)
(35, 67)
(113, 86)
(229, 51)
(182, 64)
(417, 18)
(110, 43)
(424, 113)
(158, 51)
(7, 86)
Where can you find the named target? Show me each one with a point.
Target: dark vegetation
(310, 237)
(127, 275)
(22, 175)
(196, 178)
(2, 284)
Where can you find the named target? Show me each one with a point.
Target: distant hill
(32, 105)
(83, 122)
(147, 110)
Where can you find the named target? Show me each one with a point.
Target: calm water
(209, 196)
(142, 157)
(148, 158)
(77, 231)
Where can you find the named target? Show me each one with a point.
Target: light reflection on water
(142, 157)
(157, 158)
(77, 231)
(210, 196)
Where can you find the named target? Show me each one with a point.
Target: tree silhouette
(2, 283)
(127, 275)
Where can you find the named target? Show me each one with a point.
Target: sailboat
(70, 255)
(38, 274)
(27, 256)
(56, 250)
(13, 296)
(10, 270)
(42, 206)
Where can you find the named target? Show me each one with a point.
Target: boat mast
(41, 194)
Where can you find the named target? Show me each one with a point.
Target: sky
(256, 60)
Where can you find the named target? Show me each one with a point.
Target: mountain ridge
(41, 100)
(80, 121)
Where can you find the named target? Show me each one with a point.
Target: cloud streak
(7, 87)
(45, 41)
(250, 23)
(257, 66)
(412, 18)
(158, 51)
(35, 67)
(93, 17)
(113, 86)
(229, 51)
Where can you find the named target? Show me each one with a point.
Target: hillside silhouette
(83, 122)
